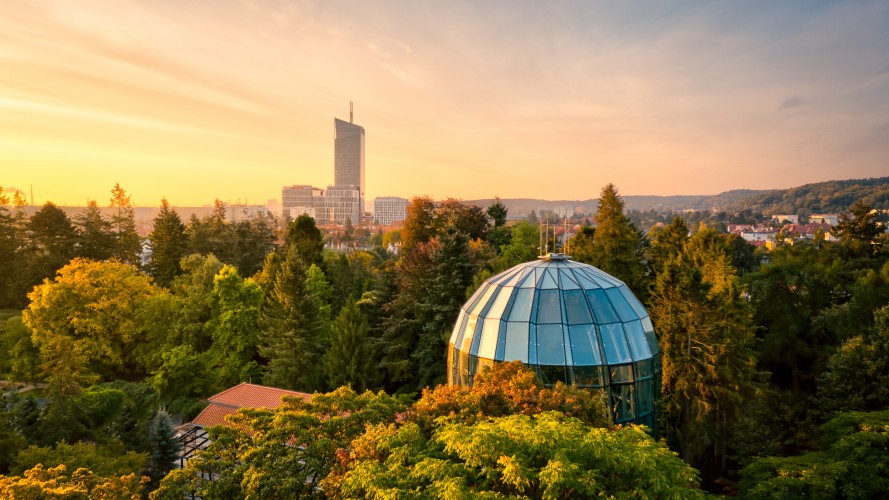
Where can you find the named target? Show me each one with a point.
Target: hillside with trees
(774, 362)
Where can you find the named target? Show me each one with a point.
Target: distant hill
(821, 197)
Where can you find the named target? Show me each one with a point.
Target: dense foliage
(765, 355)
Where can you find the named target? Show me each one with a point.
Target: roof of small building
(243, 395)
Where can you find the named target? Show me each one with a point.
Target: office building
(389, 209)
(348, 162)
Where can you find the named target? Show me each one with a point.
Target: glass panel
(521, 307)
(601, 307)
(468, 333)
(548, 281)
(620, 373)
(576, 307)
(477, 308)
(459, 328)
(644, 369)
(584, 346)
(496, 310)
(588, 376)
(463, 362)
(645, 393)
(550, 345)
(550, 309)
(633, 301)
(651, 338)
(615, 344)
(620, 304)
(585, 281)
(549, 375)
(514, 277)
(501, 342)
(476, 296)
(532, 345)
(567, 281)
(488, 345)
(622, 401)
(473, 364)
(638, 342)
(605, 280)
(482, 364)
(516, 342)
(453, 373)
(531, 280)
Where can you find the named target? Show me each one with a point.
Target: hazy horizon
(235, 100)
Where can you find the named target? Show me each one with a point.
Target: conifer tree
(164, 447)
(168, 244)
(128, 245)
(95, 239)
(616, 248)
(8, 248)
(348, 360)
(706, 336)
(292, 335)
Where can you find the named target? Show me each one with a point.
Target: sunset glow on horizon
(233, 100)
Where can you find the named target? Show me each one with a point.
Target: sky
(197, 100)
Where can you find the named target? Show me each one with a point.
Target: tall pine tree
(168, 244)
(348, 361)
(95, 239)
(127, 245)
(617, 247)
(292, 337)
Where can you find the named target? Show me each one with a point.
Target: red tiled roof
(213, 414)
(243, 395)
(254, 396)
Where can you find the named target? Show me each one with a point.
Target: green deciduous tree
(95, 309)
(857, 375)
(851, 463)
(546, 455)
(234, 327)
(61, 482)
(306, 238)
(281, 453)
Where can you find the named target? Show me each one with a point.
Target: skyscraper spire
(350, 111)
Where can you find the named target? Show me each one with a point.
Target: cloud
(794, 101)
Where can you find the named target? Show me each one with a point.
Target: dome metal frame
(569, 322)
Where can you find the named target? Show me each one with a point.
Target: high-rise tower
(348, 163)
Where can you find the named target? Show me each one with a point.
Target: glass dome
(567, 321)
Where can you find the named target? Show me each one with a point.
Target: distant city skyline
(196, 101)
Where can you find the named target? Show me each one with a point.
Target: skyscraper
(348, 162)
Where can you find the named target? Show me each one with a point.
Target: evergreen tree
(50, 245)
(95, 239)
(251, 240)
(497, 212)
(128, 244)
(8, 249)
(292, 334)
(348, 360)
(164, 448)
(706, 336)
(860, 229)
(617, 245)
(168, 245)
